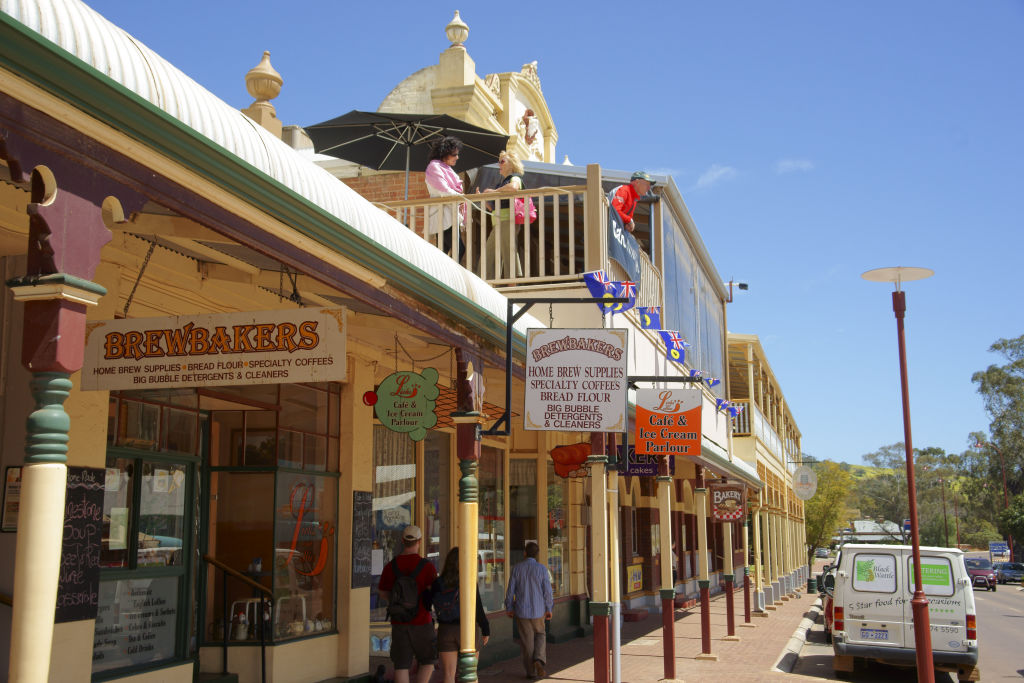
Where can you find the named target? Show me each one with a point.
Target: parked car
(821, 552)
(1009, 572)
(981, 572)
(868, 615)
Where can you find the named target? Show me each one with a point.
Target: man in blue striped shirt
(530, 601)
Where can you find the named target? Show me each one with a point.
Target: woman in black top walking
(444, 595)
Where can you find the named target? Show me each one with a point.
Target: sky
(811, 141)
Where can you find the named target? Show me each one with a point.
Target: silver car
(1009, 572)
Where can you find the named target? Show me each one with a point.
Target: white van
(870, 612)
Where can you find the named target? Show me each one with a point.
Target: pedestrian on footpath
(405, 583)
(529, 600)
(447, 605)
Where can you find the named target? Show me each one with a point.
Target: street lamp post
(919, 603)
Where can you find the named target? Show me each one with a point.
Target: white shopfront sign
(576, 380)
(255, 347)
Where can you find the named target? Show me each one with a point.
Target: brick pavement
(752, 658)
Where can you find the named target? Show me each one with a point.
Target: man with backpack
(404, 583)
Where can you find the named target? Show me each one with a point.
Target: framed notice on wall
(12, 499)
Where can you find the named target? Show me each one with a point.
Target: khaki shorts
(413, 640)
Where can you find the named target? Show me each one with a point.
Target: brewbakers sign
(258, 347)
(726, 502)
(576, 380)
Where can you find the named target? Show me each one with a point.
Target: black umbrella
(396, 142)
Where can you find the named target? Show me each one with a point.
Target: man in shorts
(414, 637)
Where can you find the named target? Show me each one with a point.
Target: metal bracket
(510, 319)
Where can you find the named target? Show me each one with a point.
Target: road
(1001, 656)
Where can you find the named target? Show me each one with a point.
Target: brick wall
(389, 187)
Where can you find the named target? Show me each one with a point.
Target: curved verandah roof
(69, 50)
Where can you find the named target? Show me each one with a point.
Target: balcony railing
(567, 238)
(752, 422)
(551, 249)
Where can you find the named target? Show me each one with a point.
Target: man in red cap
(404, 583)
(624, 197)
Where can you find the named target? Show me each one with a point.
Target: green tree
(823, 512)
(883, 496)
(1011, 520)
(1002, 390)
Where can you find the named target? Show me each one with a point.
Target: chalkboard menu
(78, 586)
(362, 538)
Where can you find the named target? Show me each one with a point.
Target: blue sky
(812, 141)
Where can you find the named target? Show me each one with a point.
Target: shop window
(522, 508)
(558, 531)
(394, 496)
(274, 510)
(437, 496)
(491, 545)
(143, 616)
(305, 544)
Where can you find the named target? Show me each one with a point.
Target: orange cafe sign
(256, 347)
(668, 421)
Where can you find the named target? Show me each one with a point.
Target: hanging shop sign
(255, 347)
(576, 380)
(633, 464)
(805, 483)
(404, 402)
(727, 504)
(668, 421)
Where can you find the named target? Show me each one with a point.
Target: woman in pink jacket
(442, 181)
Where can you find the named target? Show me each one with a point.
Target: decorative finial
(457, 30)
(262, 81)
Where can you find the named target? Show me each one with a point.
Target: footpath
(752, 658)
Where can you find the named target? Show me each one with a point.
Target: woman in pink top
(442, 181)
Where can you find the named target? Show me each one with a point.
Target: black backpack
(405, 594)
(446, 604)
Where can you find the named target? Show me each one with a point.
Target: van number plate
(874, 634)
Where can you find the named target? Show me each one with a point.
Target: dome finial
(457, 30)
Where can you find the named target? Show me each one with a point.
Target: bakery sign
(255, 347)
(726, 501)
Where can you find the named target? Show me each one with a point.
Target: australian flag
(675, 345)
(624, 290)
(600, 287)
(650, 317)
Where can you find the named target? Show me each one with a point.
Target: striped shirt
(529, 590)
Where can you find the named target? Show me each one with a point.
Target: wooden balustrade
(554, 248)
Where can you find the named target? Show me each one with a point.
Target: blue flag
(624, 290)
(650, 317)
(675, 345)
(600, 287)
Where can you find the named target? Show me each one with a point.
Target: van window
(936, 575)
(874, 573)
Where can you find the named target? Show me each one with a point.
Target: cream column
(769, 557)
(700, 501)
(758, 569)
(353, 604)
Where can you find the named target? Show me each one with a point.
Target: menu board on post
(576, 380)
(362, 539)
(78, 585)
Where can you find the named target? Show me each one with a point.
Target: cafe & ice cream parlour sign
(727, 501)
(668, 421)
(404, 402)
(576, 380)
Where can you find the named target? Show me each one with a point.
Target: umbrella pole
(406, 211)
